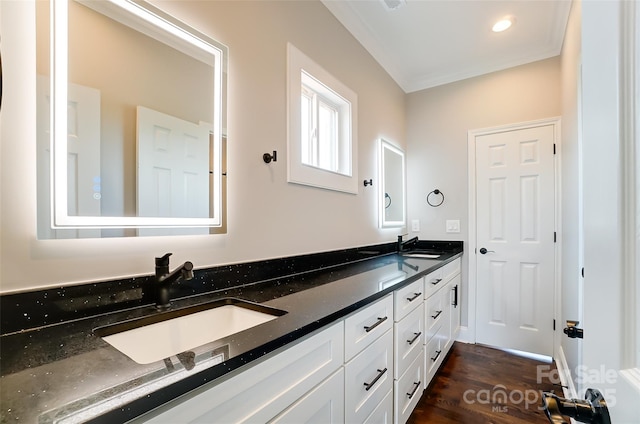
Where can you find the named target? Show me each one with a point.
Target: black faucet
(402, 245)
(164, 278)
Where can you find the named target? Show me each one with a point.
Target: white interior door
(83, 158)
(515, 220)
(173, 169)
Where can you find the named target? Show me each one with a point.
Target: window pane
(327, 135)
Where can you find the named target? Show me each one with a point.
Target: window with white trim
(322, 126)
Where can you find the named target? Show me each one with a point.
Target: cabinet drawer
(261, 392)
(366, 325)
(322, 405)
(450, 270)
(432, 282)
(407, 299)
(383, 414)
(408, 390)
(436, 309)
(408, 340)
(435, 353)
(368, 379)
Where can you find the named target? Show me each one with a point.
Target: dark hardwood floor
(477, 384)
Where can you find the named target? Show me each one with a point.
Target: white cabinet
(442, 315)
(408, 390)
(322, 405)
(383, 414)
(408, 335)
(454, 307)
(366, 325)
(368, 379)
(368, 359)
(261, 392)
(408, 340)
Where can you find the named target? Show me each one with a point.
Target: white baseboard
(465, 335)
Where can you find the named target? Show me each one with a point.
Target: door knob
(485, 251)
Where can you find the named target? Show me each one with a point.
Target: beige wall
(268, 217)
(437, 123)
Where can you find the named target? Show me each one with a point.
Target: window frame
(301, 70)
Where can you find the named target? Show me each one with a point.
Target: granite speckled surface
(53, 367)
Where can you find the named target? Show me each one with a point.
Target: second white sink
(151, 339)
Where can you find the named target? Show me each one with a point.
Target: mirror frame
(159, 25)
(384, 223)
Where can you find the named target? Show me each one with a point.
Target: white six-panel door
(515, 216)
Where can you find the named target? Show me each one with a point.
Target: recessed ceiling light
(503, 24)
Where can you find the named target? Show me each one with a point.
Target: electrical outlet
(453, 226)
(415, 225)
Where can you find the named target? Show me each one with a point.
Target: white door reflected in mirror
(392, 187)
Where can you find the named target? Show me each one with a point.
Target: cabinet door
(454, 308)
(366, 325)
(408, 390)
(322, 405)
(368, 379)
(261, 392)
(408, 339)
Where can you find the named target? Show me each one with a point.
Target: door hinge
(554, 325)
(554, 148)
(555, 237)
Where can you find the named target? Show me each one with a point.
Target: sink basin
(153, 338)
(419, 254)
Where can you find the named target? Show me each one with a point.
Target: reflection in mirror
(130, 112)
(392, 187)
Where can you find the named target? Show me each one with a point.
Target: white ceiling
(426, 43)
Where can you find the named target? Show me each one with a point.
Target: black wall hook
(270, 157)
(368, 182)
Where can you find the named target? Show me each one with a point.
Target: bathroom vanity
(360, 335)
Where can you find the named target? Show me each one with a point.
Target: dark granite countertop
(63, 372)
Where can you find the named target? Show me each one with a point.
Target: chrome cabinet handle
(436, 281)
(413, 392)
(435, 358)
(368, 386)
(416, 295)
(436, 315)
(415, 338)
(371, 327)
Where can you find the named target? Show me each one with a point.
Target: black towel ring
(436, 192)
(387, 200)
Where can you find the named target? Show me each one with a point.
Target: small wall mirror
(392, 188)
(130, 113)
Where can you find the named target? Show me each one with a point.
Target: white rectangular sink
(154, 338)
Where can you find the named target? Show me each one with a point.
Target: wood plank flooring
(477, 384)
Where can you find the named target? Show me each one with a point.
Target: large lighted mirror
(131, 115)
(392, 188)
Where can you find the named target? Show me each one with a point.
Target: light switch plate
(453, 225)
(415, 225)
